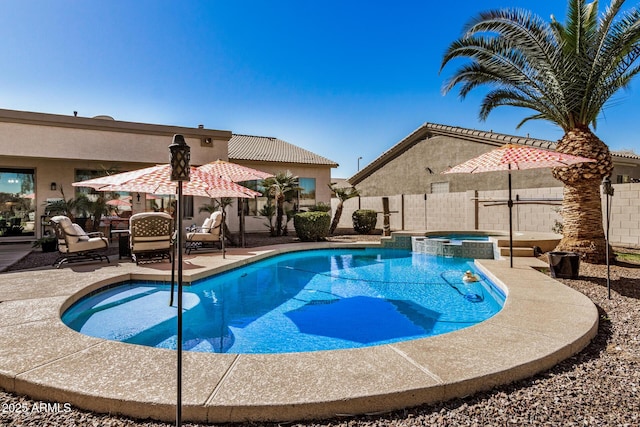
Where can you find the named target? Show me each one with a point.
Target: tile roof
(626, 154)
(428, 130)
(269, 149)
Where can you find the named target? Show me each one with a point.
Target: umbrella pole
(179, 339)
(173, 262)
(173, 274)
(242, 204)
(510, 204)
(223, 236)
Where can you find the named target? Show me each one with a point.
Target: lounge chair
(208, 234)
(151, 236)
(75, 244)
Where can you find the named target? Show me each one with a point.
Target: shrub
(364, 221)
(312, 226)
(319, 207)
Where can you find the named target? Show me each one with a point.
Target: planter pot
(49, 246)
(564, 265)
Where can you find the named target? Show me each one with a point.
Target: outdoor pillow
(206, 226)
(82, 235)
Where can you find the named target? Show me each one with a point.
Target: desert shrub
(319, 207)
(364, 221)
(312, 226)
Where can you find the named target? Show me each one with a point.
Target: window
(253, 206)
(157, 203)
(93, 195)
(307, 195)
(17, 202)
(439, 187)
(85, 174)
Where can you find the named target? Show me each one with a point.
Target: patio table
(123, 243)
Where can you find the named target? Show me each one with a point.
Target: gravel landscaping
(600, 386)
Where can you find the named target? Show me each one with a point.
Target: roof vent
(104, 117)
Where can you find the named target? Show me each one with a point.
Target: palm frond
(564, 71)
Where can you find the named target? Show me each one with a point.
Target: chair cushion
(67, 228)
(206, 225)
(82, 235)
(202, 237)
(92, 244)
(216, 217)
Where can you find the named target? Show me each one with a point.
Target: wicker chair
(76, 245)
(151, 237)
(208, 234)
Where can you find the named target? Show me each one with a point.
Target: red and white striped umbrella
(233, 171)
(236, 173)
(157, 180)
(118, 202)
(511, 157)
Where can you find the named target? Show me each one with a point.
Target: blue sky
(343, 79)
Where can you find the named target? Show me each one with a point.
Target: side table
(123, 243)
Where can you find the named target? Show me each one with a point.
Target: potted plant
(48, 243)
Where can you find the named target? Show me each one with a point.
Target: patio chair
(208, 234)
(151, 236)
(75, 244)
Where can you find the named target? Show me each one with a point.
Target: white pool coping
(542, 323)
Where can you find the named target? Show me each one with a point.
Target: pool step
(545, 245)
(517, 251)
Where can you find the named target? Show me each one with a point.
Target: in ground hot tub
(476, 246)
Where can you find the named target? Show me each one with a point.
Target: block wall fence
(538, 210)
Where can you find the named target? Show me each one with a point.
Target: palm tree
(566, 73)
(342, 195)
(282, 187)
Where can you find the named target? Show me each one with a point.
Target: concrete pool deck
(542, 323)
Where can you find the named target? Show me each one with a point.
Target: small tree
(97, 209)
(68, 207)
(282, 187)
(269, 211)
(342, 194)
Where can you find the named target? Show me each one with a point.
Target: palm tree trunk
(279, 215)
(583, 231)
(582, 222)
(336, 218)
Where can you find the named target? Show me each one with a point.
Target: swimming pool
(302, 301)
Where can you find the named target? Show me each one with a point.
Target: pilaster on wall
(471, 206)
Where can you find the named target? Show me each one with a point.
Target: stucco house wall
(414, 170)
(415, 164)
(55, 146)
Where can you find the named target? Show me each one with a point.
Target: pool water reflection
(301, 301)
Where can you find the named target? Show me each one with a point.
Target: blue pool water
(300, 301)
